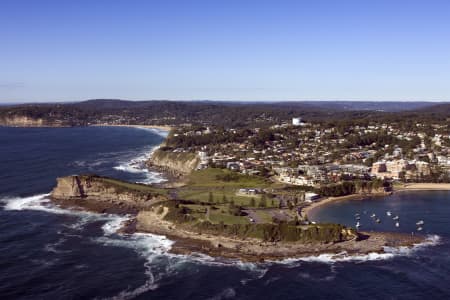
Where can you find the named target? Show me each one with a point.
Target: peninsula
(234, 228)
(243, 176)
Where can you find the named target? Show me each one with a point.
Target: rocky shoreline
(250, 250)
(147, 211)
(309, 210)
(253, 250)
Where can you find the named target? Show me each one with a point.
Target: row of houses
(400, 169)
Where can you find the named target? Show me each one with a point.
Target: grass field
(208, 178)
(206, 186)
(227, 218)
(131, 186)
(203, 195)
(220, 213)
(264, 216)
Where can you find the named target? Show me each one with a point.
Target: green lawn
(217, 217)
(208, 178)
(203, 195)
(264, 216)
(132, 186)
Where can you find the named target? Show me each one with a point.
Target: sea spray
(389, 253)
(137, 165)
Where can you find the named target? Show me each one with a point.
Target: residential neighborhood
(311, 155)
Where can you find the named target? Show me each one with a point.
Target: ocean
(47, 252)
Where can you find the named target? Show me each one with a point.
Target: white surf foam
(158, 131)
(43, 203)
(227, 293)
(114, 224)
(389, 253)
(137, 165)
(151, 247)
(21, 203)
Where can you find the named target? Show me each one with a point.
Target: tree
(211, 198)
(252, 202)
(263, 201)
(231, 204)
(290, 205)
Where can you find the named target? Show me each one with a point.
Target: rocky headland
(174, 164)
(105, 195)
(155, 212)
(24, 121)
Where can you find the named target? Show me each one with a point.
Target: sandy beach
(161, 127)
(424, 187)
(306, 211)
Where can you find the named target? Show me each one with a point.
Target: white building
(297, 121)
(309, 197)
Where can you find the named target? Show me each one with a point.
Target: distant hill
(442, 108)
(227, 114)
(386, 106)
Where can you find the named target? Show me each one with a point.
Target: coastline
(187, 242)
(315, 205)
(307, 210)
(160, 127)
(424, 187)
(170, 179)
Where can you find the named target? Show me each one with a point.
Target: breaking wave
(227, 293)
(389, 253)
(153, 248)
(160, 264)
(158, 131)
(137, 165)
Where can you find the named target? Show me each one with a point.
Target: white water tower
(297, 121)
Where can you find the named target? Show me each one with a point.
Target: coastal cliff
(22, 121)
(220, 244)
(104, 194)
(175, 163)
(155, 212)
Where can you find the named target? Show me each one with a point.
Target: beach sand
(307, 210)
(405, 187)
(425, 187)
(162, 127)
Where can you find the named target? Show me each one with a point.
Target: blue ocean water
(51, 253)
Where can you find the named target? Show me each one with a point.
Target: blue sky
(65, 50)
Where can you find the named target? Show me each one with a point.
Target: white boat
(378, 220)
(358, 225)
(419, 228)
(397, 224)
(373, 215)
(388, 213)
(421, 222)
(357, 215)
(396, 218)
(358, 218)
